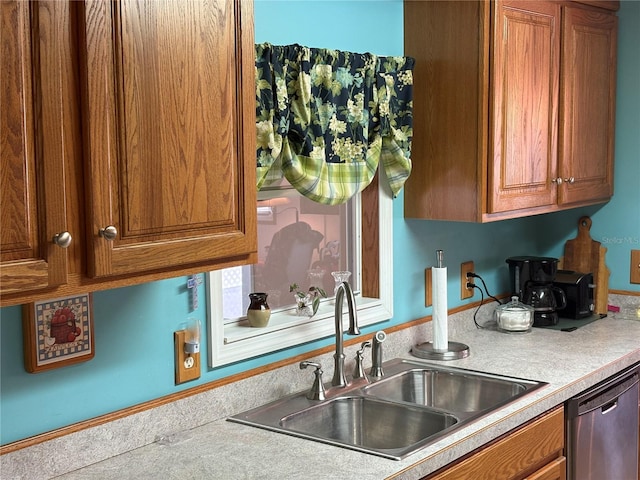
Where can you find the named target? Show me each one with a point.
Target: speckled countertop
(569, 362)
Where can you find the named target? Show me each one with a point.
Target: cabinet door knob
(108, 233)
(62, 239)
(557, 180)
(570, 180)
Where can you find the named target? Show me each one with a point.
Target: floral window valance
(327, 118)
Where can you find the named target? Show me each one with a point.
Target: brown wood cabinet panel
(169, 117)
(450, 43)
(588, 104)
(535, 449)
(524, 105)
(606, 4)
(32, 194)
(513, 107)
(139, 115)
(556, 470)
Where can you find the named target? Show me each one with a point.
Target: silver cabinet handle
(108, 233)
(570, 180)
(62, 239)
(557, 180)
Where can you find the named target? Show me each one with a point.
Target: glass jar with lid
(514, 317)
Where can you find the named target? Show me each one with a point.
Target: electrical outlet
(187, 365)
(466, 292)
(635, 266)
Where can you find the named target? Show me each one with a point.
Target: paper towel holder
(427, 350)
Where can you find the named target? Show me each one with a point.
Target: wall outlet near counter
(466, 292)
(635, 267)
(187, 364)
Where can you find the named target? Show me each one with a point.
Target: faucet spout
(343, 292)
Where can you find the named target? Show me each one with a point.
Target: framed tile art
(57, 332)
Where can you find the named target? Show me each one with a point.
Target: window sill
(285, 329)
(241, 330)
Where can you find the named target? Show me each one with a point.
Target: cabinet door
(524, 105)
(516, 454)
(556, 470)
(588, 104)
(169, 116)
(32, 194)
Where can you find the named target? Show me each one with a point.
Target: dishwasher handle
(605, 398)
(610, 408)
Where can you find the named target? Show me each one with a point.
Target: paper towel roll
(439, 318)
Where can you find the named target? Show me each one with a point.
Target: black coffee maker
(532, 281)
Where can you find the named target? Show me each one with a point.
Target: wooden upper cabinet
(33, 149)
(587, 115)
(513, 107)
(524, 105)
(169, 133)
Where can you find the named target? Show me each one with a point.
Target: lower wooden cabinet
(555, 470)
(534, 451)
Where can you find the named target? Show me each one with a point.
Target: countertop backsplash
(172, 424)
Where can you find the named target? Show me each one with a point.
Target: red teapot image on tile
(63, 326)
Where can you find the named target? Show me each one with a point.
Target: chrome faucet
(343, 292)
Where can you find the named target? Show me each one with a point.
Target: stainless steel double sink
(413, 405)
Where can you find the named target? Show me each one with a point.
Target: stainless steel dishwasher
(602, 430)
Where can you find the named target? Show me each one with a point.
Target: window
(302, 242)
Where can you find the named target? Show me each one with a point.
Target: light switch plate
(635, 266)
(428, 287)
(186, 369)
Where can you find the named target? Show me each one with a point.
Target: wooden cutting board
(585, 255)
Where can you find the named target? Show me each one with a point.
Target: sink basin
(451, 391)
(369, 423)
(412, 406)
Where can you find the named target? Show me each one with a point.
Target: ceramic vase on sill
(258, 313)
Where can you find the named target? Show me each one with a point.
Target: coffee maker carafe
(546, 299)
(532, 281)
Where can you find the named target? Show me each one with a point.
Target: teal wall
(134, 326)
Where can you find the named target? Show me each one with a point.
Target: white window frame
(233, 342)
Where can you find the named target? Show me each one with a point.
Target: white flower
(356, 107)
(264, 135)
(384, 108)
(317, 153)
(322, 74)
(399, 135)
(281, 93)
(336, 126)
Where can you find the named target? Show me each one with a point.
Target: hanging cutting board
(585, 255)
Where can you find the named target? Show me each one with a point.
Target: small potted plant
(307, 303)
